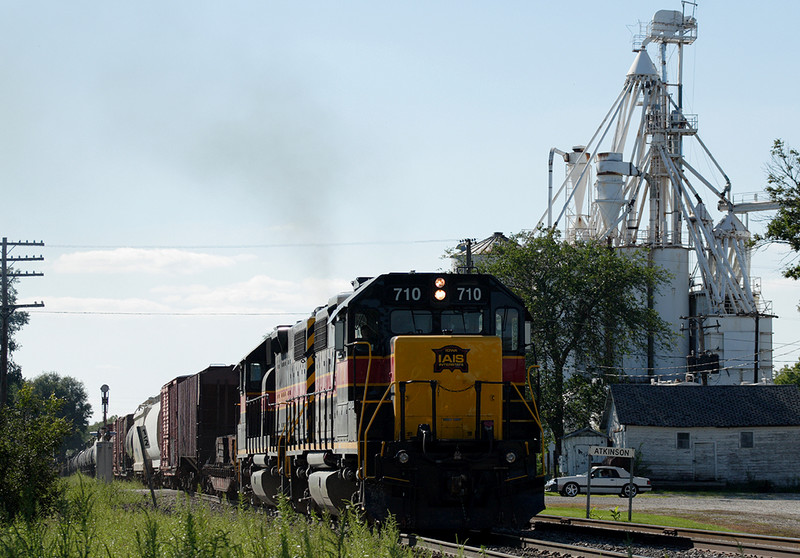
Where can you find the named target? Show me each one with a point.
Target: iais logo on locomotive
(450, 357)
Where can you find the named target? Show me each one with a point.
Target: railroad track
(735, 543)
(626, 534)
(630, 539)
(547, 548)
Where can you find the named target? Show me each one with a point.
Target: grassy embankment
(613, 509)
(620, 513)
(114, 521)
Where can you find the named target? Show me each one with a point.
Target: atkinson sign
(602, 451)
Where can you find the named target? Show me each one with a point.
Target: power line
(254, 246)
(110, 313)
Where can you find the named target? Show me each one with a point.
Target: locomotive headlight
(440, 295)
(511, 457)
(439, 282)
(402, 457)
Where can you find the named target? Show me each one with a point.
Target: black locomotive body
(408, 396)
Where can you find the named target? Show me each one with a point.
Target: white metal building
(736, 434)
(633, 186)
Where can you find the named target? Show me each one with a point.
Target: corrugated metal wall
(195, 411)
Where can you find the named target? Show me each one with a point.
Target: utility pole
(7, 309)
(467, 244)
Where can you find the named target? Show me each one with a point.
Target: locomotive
(407, 397)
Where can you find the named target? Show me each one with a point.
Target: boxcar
(196, 410)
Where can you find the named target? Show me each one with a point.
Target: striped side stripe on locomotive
(310, 365)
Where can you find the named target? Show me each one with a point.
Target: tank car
(84, 461)
(148, 418)
(408, 396)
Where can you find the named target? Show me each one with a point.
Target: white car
(605, 480)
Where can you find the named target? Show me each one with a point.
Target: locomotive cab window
(507, 327)
(460, 322)
(367, 325)
(255, 372)
(338, 336)
(410, 322)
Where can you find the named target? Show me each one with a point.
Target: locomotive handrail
(363, 433)
(535, 418)
(310, 394)
(254, 399)
(363, 468)
(402, 385)
(308, 398)
(505, 384)
(283, 442)
(363, 399)
(477, 386)
(536, 409)
(530, 388)
(250, 407)
(294, 422)
(525, 402)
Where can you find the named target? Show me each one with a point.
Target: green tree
(589, 306)
(783, 178)
(16, 321)
(30, 433)
(96, 426)
(789, 375)
(74, 409)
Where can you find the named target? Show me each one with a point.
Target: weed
(96, 519)
(629, 546)
(24, 539)
(147, 543)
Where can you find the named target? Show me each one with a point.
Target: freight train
(408, 396)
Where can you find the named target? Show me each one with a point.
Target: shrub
(30, 434)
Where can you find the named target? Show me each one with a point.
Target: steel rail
(450, 548)
(737, 543)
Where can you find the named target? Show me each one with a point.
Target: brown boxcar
(195, 411)
(123, 464)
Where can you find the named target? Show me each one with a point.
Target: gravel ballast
(774, 514)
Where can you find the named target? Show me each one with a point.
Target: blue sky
(243, 161)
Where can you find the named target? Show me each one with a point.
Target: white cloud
(257, 294)
(140, 260)
(103, 305)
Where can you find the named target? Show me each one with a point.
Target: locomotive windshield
(427, 304)
(409, 322)
(462, 321)
(405, 321)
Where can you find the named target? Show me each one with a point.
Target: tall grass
(112, 520)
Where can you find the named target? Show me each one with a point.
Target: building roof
(485, 246)
(692, 405)
(585, 431)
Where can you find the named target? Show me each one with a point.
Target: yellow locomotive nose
(449, 382)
